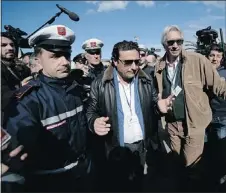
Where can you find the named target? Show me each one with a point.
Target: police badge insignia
(61, 31)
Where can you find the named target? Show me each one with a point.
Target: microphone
(73, 16)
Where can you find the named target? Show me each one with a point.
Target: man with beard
(12, 71)
(188, 76)
(143, 60)
(47, 118)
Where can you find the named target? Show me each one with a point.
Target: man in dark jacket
(12, 71)
(123, 100)
(149, 70)
(216, 133)
(48, 119)
(92, 49)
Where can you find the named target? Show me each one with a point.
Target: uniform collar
(61, 82)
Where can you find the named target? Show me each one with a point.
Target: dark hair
(152, 53)
(79, 58)
(123, 46)
(26, 54)
(9, 36)
(215, 47)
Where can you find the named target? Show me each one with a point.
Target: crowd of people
(137, 122)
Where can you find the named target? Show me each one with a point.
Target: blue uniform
(47, 118)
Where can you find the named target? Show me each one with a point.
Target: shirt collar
(174, 63)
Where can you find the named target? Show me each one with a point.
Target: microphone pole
(48, 22)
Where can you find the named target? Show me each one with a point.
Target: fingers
(16, 151)
(171, 97)
(24, 156)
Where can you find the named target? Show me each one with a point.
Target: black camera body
(17, 34)
(205, 39)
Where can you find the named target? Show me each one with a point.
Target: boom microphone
(73, 16)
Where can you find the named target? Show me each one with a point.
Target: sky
(115, 21)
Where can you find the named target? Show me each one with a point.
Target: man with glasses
(92, 49)
(122, 105)
(186, 75)
(143, 60)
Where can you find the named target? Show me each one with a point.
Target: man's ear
(115, 62)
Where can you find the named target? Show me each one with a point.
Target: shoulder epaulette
(24, 90)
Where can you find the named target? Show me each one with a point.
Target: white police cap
(53, 38)
(143, 47)
(92, 43)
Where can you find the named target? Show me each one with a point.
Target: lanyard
(128, 101)
(172, 80)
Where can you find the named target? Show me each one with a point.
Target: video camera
(205, 39)
(16, 34)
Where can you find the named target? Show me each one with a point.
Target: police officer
(143, 61)
(47, 117)
(92, 49)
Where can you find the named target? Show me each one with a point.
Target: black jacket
(103, 103)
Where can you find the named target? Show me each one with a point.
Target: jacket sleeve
(22, 124)
(212, 79)
(93, 110)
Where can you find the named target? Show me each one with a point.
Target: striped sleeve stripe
(62, 116)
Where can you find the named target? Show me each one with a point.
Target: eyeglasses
(130, 62)
(171, 42)
(93, 52)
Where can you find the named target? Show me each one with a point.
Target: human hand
(101, 127)
(165, 105)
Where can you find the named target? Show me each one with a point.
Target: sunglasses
(93, 52)
(171, 42)
(142, 55)
(130, 62)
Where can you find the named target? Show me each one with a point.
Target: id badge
(176, 91)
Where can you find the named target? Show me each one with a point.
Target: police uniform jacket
(47, 118)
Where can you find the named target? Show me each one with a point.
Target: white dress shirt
(172, 71)
(132, 127)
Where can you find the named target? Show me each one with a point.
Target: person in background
(216, 132)
(143, 60)
(26, 58)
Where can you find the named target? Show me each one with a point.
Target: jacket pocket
(194, 91)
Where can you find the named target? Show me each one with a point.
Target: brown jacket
(198, 75)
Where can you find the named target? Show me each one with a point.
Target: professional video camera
(205, 38)
(16, 34)
(152, 51)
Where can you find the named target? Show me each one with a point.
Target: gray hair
(169, 29)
